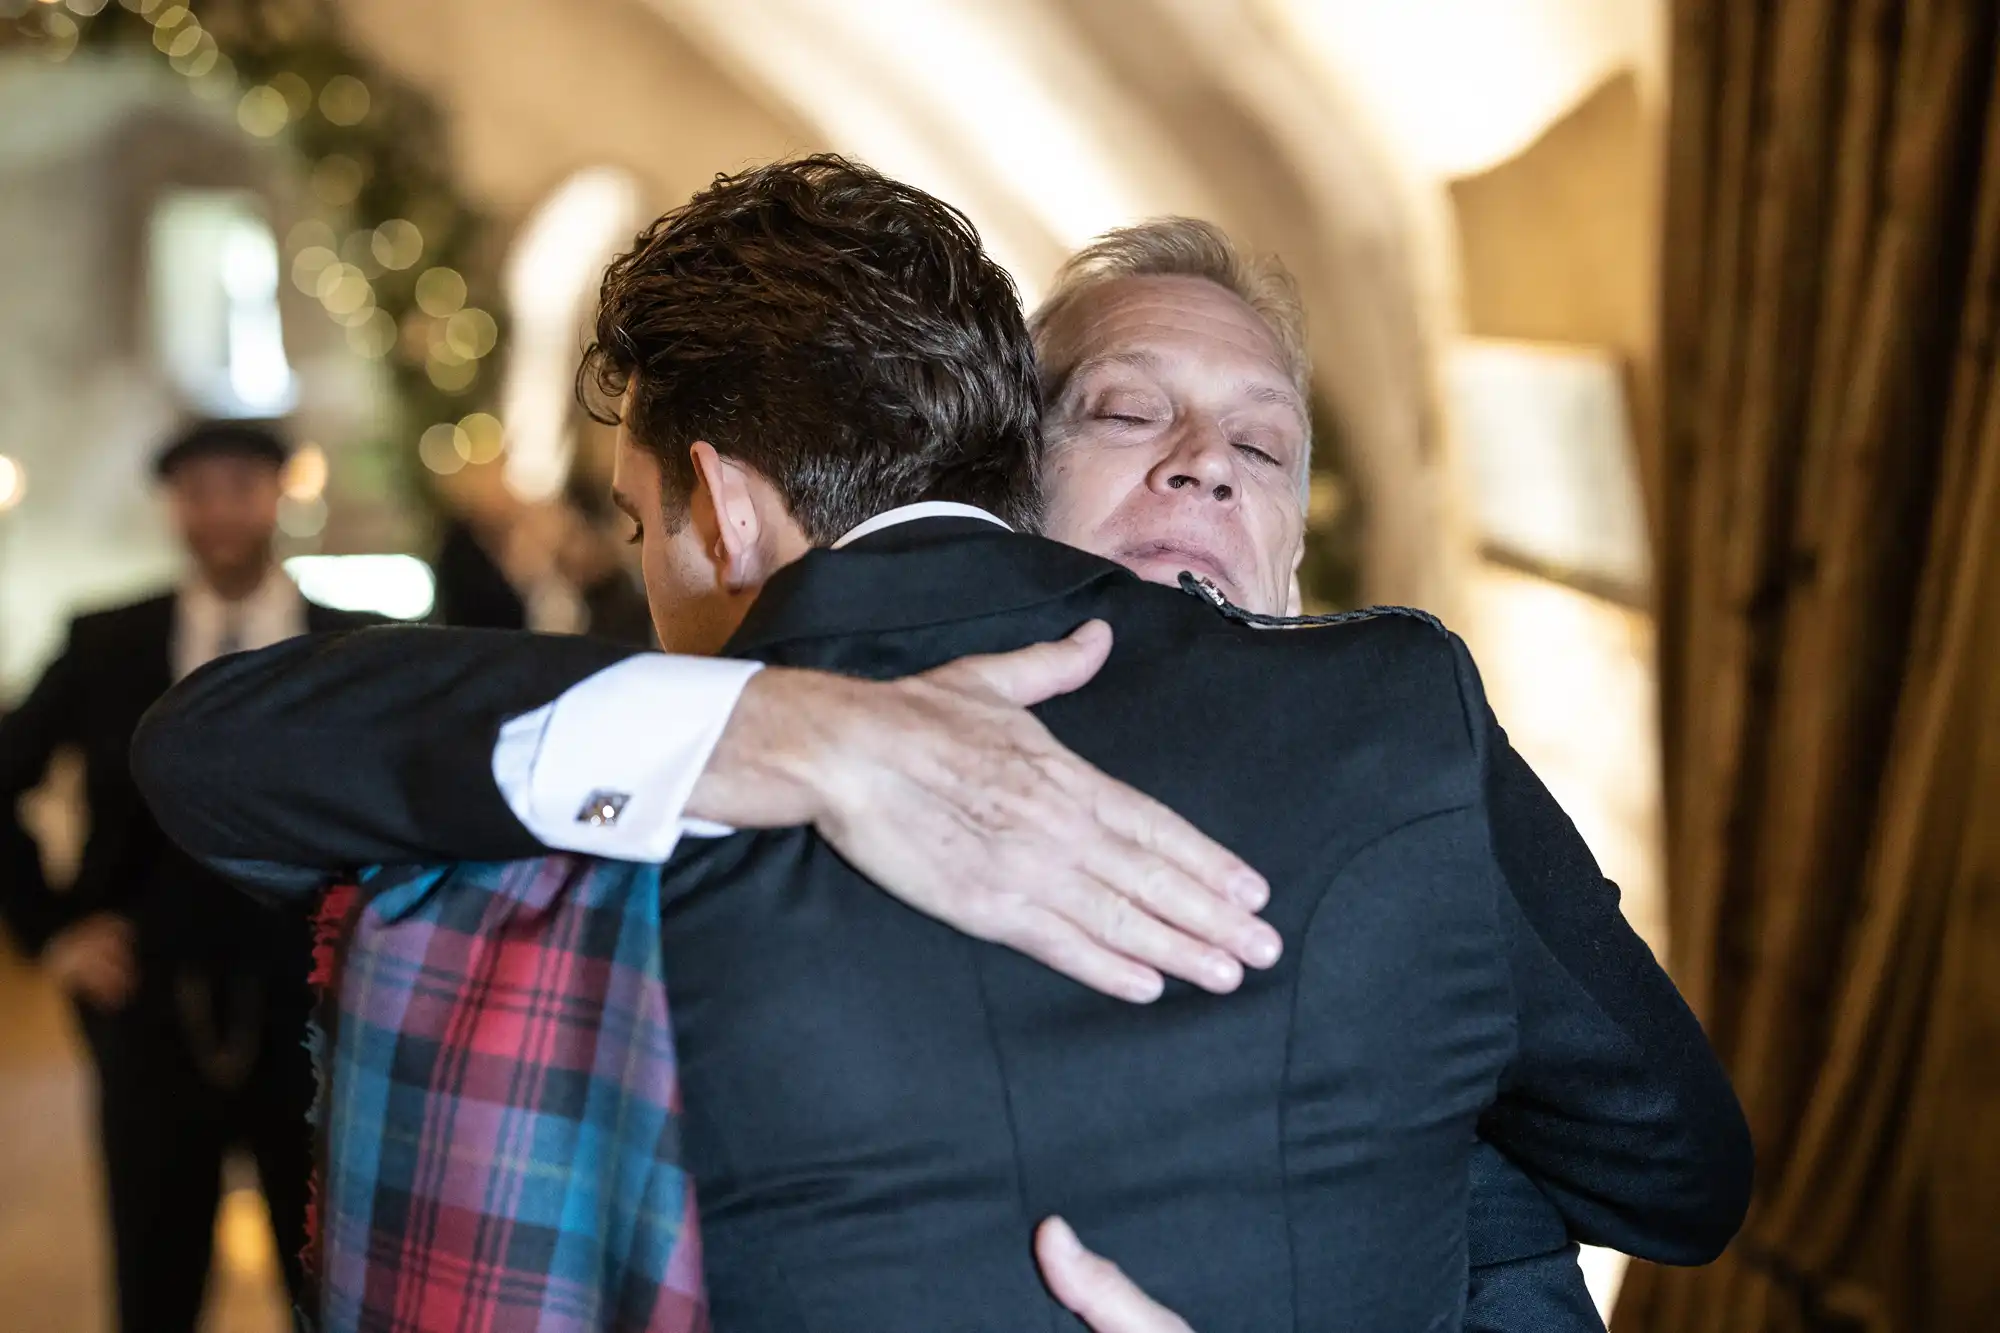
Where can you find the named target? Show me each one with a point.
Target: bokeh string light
(308, 263)
(444, 448)
(374, 336)
(440, 292)
(337, 180)
(295, 90)
(262, 111)
(484, 438)
(450, 374)
(55, 34)
(472, 333)
(306, 473)
(344, 100)
(397, 244)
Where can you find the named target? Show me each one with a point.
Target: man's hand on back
(1092, 1287)
(947, 792)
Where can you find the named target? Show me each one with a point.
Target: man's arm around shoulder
(309, 759)
(291, 766)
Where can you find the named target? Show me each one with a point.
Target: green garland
(392, 251)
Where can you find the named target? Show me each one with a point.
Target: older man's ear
(1295, 603)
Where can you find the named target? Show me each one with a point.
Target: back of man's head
(839, 332)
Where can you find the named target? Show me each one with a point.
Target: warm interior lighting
(344, 100)
(551, 280)
(471, 333)
(1603, 1273)
(1571, 677)
(295, 90)
(306, 472)
(983, 105)
(308, 264)
(198, 59)
(445, 448)
(484, 437)
(243, 1240)
(373, 335)
(397, 244)
(13, 483)
(336, 178)
(62, 35)
(398, 586)
(358, 249)
(302, 518)
(1458, 86)
(262, 111)
(167, 25)
(440, 292)
(451, 375)
(1547, 436)
(308, 234)
(966, 63)
(213, 75)
(344, 291)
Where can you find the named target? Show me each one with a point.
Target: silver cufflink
(602, 808)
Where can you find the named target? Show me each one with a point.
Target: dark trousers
(165, 1127)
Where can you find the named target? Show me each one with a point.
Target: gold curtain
(1826, 493)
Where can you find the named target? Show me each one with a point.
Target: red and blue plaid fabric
(499, 1108)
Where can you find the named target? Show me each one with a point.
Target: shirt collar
(922, 509)
(276, 593)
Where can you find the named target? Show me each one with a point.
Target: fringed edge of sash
(332, 925)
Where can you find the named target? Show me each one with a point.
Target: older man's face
(1178, 439)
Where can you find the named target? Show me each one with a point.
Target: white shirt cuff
(608, 768)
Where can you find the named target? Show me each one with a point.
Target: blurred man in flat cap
(193, 998)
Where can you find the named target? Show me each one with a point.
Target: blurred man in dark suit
(193, 998)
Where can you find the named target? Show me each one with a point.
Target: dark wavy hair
(838, 331)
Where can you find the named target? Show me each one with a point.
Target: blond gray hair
(1177, 247)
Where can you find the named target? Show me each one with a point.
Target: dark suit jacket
(879, 1110)
(114, 666)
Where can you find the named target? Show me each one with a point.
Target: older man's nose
(1200, 466)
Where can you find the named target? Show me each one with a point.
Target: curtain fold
(1827, 509)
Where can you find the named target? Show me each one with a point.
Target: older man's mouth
(1162, 562)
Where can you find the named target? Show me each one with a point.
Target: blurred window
(552, 275)
(399, 586)
(1555, 480)
(213, 279)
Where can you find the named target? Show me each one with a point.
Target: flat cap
(211, 439)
